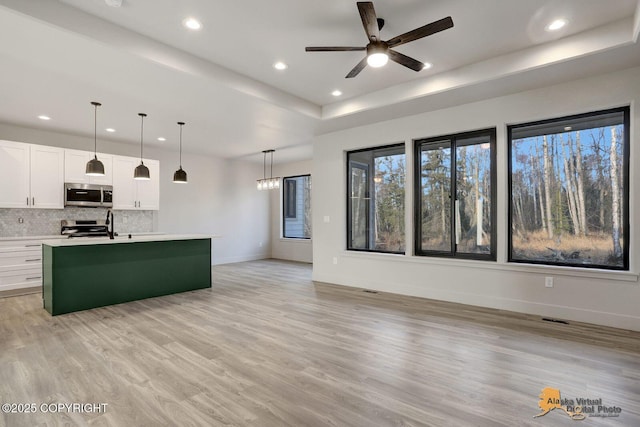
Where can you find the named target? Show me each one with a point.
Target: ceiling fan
(380, 51)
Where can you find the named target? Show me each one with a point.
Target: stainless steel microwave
(88, 195)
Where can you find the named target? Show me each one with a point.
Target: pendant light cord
(95, 131)
(271, 172)
(180, 146)
(142, 116)
(264, 165)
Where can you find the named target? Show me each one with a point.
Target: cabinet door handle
(27, 201)
(33, 201)
(33, 260)
(34, 278)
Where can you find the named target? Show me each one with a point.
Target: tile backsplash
(46, 222)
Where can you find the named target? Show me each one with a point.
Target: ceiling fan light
(377, 60)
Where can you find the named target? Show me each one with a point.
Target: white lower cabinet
(20, 264)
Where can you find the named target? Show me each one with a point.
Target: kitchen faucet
(107, 222)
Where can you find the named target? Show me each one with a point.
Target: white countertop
(2, 239)
(85, 241)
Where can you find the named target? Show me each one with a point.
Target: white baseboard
(509, 304)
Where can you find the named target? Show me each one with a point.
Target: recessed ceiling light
(280, 66)
(336, 93)
(43, 117)
(162, 139)
(557, 24)
(426, 66)
(192, 24)
(110, 130)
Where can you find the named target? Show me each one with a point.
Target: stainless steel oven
(88, 195)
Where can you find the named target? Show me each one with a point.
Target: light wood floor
(268, 347)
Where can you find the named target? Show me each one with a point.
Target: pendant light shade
(141, 172)
(180, 176)
(270, 183)
(95, 166)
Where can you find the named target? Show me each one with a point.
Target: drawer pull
(34, 278)
(32, 246)
(32, 260)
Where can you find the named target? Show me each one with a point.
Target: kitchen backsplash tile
(46, 222)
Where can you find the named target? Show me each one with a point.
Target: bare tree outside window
(455, 195)
(569, 190)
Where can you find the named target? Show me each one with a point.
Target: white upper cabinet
(129, 193)
(47, 177)
(32, 176)
(75, 164)
(149, 191)
(14, 174)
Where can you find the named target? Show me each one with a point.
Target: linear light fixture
(270, 183)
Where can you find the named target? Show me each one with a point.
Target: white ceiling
(57, 56)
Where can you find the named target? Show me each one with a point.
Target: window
(296, 207)
(375, 203)
(455, 195)
(569, 191)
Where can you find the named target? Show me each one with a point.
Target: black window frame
(349, 201)
(284, 206)
(417, 199)
(626, 110)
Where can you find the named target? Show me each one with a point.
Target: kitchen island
(84, 273)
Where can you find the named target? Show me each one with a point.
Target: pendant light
(95, 166)
(141, 172)
(180, 176)
(270, 183)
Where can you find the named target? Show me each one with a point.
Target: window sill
(294, 240)
(622, 276)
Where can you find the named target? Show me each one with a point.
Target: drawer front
(23, 259)
(22, 279)
(16, 247)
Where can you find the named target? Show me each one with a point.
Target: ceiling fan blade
(333, 48)
(424, 31)
(369, 20)
(405, 60)
(356, 70)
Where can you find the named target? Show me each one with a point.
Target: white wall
(220, 198)
(595, 296)
(289, 249)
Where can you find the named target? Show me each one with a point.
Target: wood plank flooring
(265, 346)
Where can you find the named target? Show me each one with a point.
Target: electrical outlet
(548, 282)
(125, 220)
(260, 244)
(327, 218)
(20, 220)
(335, 260)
